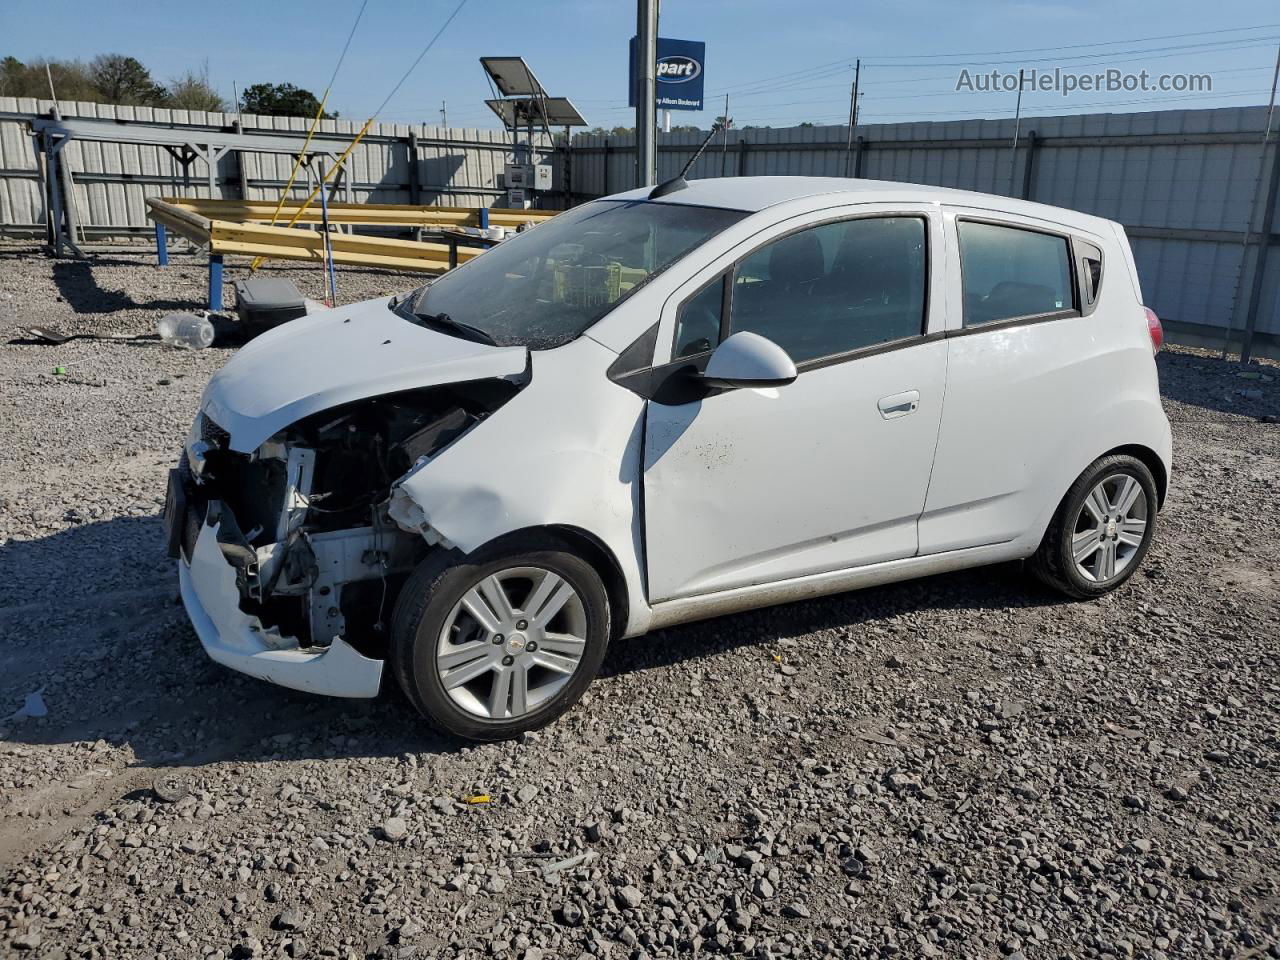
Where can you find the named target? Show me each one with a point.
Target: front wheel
(1101, 531)
(504, 641)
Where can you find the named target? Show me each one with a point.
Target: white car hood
(336, 356)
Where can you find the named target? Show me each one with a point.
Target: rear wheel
(1101, 531)
(502, 642)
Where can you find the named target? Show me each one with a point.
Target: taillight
(1154, 328)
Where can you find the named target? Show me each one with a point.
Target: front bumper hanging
(238, 640)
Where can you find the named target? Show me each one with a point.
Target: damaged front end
(291, 557)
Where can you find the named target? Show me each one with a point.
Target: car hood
(337, 356)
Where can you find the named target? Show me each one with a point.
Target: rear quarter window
(1010, 272)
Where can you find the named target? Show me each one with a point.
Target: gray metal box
(266, 302)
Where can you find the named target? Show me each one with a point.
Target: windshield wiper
(467, 330)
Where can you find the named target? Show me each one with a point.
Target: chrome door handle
(899, 404)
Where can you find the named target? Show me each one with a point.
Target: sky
(781, 63)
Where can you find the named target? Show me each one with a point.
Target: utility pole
(853, 119)
(444, 115)
(1017, 122)
(724, 143)
(646, 91)
(1264, 241)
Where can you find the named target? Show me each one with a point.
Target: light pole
(646, 91)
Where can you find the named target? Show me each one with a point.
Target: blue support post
(215, 281)
(162, 247)
(484, 218)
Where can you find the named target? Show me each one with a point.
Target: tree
(281, 100)
(122, 79)
(193, 91)
(71, 79)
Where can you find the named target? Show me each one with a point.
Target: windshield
(546, 286)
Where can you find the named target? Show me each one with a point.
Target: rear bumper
(238, 640)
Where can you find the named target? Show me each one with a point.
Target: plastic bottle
(186, 331)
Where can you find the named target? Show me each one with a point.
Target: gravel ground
(961, 766)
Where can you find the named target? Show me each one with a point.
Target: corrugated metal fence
(394, 163)
(1187, 184)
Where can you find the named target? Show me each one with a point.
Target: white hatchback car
(653, 409)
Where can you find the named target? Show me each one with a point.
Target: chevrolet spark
(663, 406)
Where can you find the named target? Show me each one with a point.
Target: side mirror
(747, 359)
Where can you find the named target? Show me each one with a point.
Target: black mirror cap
(731, 384)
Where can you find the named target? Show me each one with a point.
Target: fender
(512, 473)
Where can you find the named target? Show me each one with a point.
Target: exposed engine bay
(305, 519)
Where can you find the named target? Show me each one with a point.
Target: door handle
(899, 404)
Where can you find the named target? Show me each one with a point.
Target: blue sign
(680, 67)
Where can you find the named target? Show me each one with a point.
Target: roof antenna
(678, 182)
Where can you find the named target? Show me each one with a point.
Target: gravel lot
(962, 766)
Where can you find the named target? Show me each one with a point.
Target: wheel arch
(1151, 460)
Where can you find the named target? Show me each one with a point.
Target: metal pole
(1029, 166)
(215, 282)
(162, 247)
(1017, 122)
(853, 117)
(724, 143)
(646, 90)
(1251, 313)
(328, 240)
(444, 115)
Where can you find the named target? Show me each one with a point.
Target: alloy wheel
(1110, 528)
(512, 642)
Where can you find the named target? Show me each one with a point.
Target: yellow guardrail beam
(385, 214)
(247, 238)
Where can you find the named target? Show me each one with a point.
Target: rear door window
(1011, 273)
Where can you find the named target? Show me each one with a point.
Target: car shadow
(992, 588)
(89, 617)
(1207, 381)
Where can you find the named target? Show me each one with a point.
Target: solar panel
(512, 77)
(559, 112)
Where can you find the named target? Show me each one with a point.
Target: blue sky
(913, 51)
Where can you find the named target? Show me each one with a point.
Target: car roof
(758, 193)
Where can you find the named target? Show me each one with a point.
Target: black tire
(1053, 563)
(430, 596)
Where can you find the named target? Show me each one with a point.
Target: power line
(1206, 47)
(413, 66)
(847, 62)
(346, 46)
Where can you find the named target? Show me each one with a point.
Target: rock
(291, 919)
(1200, 871)
(30, 940)
(526, 794)
(570, 914)
(796, 910)
(629, 897)
(170, 788)
(395, 829)
(594, 831)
